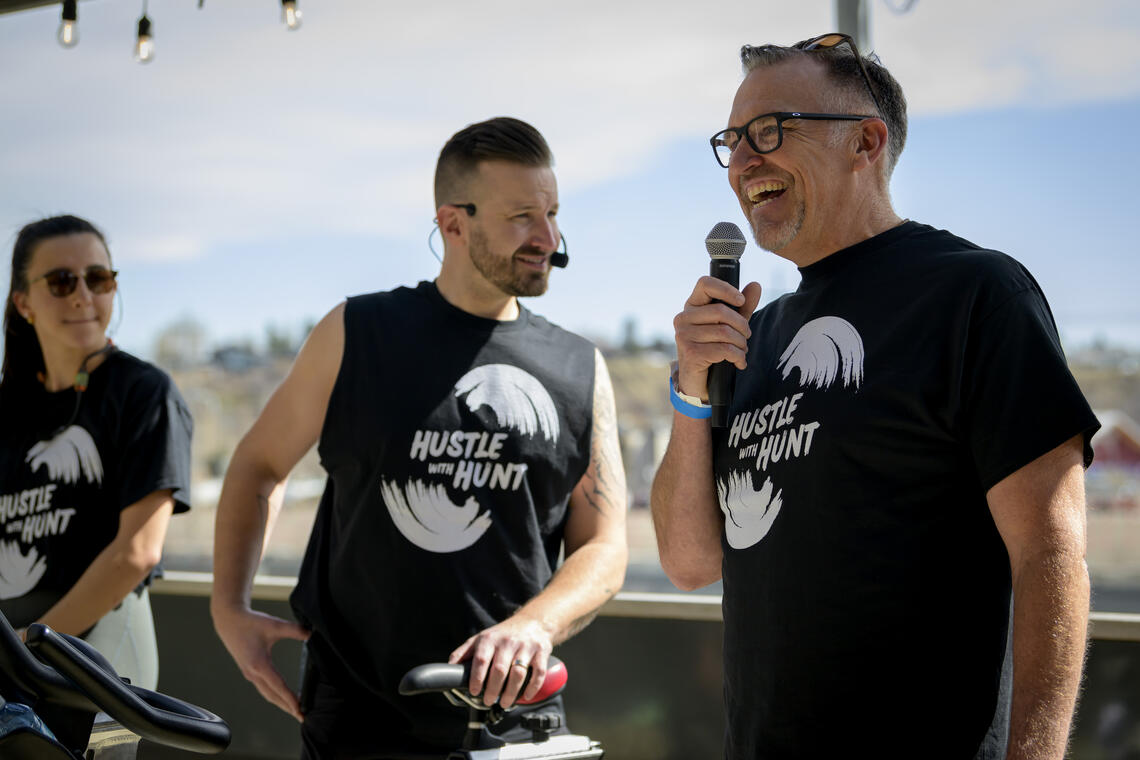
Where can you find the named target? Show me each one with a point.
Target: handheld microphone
(725, 242)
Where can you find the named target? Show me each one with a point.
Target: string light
(68, 33)
(144, 44)
(290, 14)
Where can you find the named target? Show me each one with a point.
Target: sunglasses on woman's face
(63, 282)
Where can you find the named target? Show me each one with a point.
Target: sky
(252, 176)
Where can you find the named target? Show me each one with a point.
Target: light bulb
(68, 34)
(144, 46)
(290, 14)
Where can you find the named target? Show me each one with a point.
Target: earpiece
(561, 257)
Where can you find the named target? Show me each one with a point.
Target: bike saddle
(444, 677)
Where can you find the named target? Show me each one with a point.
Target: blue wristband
(702, 412)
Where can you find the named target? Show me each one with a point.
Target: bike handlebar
(153, 716)
(439, 677)
(32, 677)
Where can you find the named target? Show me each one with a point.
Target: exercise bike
(62, 700)
(480, 741)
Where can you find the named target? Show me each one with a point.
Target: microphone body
(725, 243)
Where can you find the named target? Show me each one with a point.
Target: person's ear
(871, 145)
(452, 222)
(20, 301)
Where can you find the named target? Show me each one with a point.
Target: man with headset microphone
(467, 442)
(901, 459)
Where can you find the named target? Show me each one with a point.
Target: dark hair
(21, 346)
(844, 72)
(498, 139)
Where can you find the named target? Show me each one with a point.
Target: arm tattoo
(605, 477)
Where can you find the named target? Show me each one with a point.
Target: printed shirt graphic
(69, 453)
(825, 351)
(61, 491)
(423, 511)
(68, 457)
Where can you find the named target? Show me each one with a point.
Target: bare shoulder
(603, 385)
(602, 487)
(326, 341)
(315, 369)
(292, 419)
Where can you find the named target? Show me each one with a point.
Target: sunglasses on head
(835, 39)
(829, 41)
(63, 282)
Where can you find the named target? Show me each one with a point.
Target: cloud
(158, 247)
(980, 55)
(240, 129)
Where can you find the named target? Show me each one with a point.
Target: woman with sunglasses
(94, 453)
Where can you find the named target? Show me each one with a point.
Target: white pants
(125, 636)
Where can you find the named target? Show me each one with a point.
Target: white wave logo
(518, 400)
(429, 519)
(749, 514)
(66, 455)
(19, 573)
(821, 350)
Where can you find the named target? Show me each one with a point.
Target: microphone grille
(725, 241)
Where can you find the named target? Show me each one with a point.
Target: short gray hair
(844, 73)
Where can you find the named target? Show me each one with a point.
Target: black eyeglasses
(765, 133)
(63, 282)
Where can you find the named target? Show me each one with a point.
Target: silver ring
(521, 662)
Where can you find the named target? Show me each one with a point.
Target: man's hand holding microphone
(712, 331)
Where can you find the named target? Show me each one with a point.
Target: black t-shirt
(452, 444)
(866, 588)
(61, 492)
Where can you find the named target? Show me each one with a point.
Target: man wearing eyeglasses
(903, 456)
(468, 441)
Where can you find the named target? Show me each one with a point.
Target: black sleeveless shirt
(452, 444)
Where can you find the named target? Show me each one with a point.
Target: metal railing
(1103, 626)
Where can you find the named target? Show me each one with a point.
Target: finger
(709, 289)
(274, 689)
(520, 668)
(461, 653)
(739, 358)
(696, 356)
(734, 331)
(497, 674)
(283, 703)
(482, 655)
(287, 629)
(713, 314)
(752, 293)
(701, 356)
(719, 324)
(537, 677)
